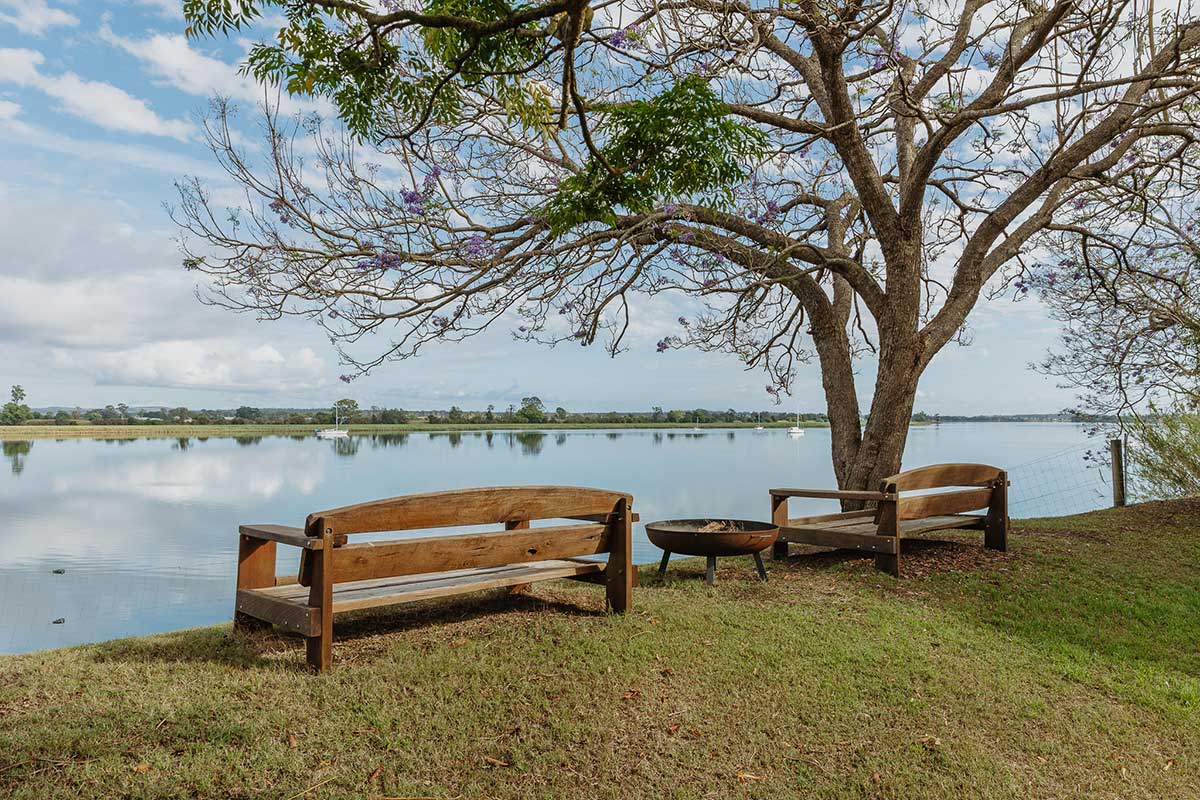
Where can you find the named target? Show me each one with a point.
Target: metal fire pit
(736, 537)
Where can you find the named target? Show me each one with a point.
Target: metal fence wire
(1069, 481)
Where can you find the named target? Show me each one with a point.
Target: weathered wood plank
(853, 516)
(935, 475)
(467, 507)
(289, 615)
(868, 541)
(353, 596)
(441, 553)
(281, 533)
(933, 505)
(914, 526)
(832, 494)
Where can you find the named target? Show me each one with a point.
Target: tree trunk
(862, 457)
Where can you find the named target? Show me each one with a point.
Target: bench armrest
(834, 494)
(281, 533)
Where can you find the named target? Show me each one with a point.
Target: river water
(144, 531)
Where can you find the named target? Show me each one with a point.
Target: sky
(99, 106)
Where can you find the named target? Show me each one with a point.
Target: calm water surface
(145, 530)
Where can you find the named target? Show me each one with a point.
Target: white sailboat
(336, 432)
(796, 431)
(758, 419)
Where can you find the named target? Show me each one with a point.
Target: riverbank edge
(29, 432)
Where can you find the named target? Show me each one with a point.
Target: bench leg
(995, 537)
(319, 652)
(319, 648)
(995, 530)
(779, 551)
(889, 562)
(619, 572)
(255, 570)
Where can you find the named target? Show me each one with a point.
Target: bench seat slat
(355, 595)
(859, 535)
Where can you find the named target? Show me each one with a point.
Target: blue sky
(98, 107)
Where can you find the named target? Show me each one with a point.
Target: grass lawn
(1069, 667)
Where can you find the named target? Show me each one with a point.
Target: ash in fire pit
(712, 537)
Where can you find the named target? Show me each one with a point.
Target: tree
(347, 409)
(560, 414)
(830, 180)
(247, 413)
(455, 415)
(15, 412)
(532, 410)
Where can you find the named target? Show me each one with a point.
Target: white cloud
(171, 59)
(97, 152)
(94, 101)
(34, 17)
(167, 8)
(8, 110)
(226, 365)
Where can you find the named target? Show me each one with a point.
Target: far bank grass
(27, 432)
(1067, 668)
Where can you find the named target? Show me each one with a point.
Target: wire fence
(1069, 481)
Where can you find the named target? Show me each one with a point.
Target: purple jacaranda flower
(345, 378)
(1080, 204)
(414, 201)
(991, 59)
(670, 208)
(688, 237)
(333, 313)
(683, 321)
(627, 37)
(478, 247)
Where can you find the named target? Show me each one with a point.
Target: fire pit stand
(712, 538)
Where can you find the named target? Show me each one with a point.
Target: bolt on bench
(336, 576)
(880, 530)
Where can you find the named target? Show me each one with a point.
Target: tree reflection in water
(17, 452)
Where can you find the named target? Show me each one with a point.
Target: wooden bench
(336, 576)
(891, 517)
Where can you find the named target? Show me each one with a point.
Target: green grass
(26, 432)
(1068, 667)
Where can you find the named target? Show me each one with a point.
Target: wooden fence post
(1118, 471)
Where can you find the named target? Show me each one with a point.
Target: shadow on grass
(222, 645)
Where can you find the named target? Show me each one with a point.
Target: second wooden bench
(336, 576)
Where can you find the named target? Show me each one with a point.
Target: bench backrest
(977, 486)
(603, 516)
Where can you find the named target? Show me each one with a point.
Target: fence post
(1118, 471)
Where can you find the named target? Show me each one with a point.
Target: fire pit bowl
(712, 537)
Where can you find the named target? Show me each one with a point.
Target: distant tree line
(530, 411)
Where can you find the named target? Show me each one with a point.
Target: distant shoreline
(27, 432)
(34, 432)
